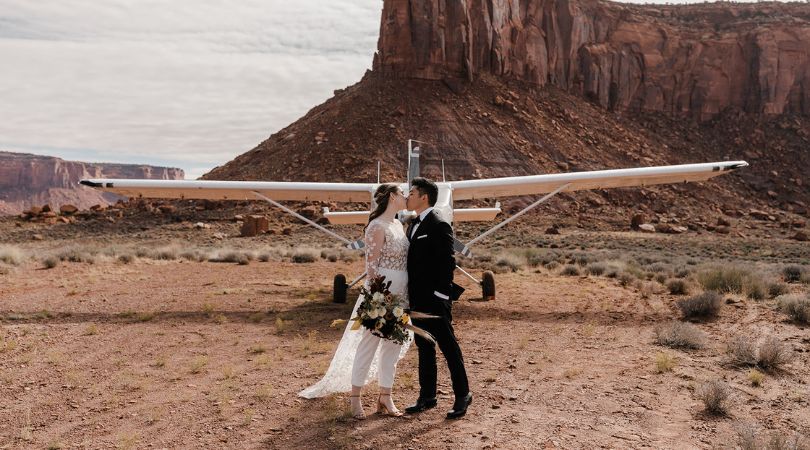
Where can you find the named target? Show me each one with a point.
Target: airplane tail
(413, 161)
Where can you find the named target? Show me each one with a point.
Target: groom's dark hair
(426, 187)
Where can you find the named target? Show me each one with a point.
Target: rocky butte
(697, 60)
(33, 180)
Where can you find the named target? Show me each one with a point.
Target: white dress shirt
(421, 217)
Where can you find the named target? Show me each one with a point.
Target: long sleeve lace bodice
(386, 247)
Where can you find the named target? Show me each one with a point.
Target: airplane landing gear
(339, 289)
(488, 286)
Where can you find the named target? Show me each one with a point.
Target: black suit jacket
(431, 265)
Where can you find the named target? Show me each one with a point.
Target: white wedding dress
(388, 258)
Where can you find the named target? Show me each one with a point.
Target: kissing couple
(419, 264)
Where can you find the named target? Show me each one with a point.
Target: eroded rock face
(28, 180)
(695, 60)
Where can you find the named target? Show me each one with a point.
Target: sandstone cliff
(697, 60)
(32, 180)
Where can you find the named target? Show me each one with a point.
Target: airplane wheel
(488, 286)
(339, 289)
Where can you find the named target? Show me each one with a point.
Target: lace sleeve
(374, 239)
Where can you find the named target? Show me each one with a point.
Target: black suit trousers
(442, 330)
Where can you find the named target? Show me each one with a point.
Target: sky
(180, 83)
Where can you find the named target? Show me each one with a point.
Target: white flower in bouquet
(398, 311)
(372, 313)
(381, 312)
(378, 297)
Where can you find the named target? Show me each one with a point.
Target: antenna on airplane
(378, 172)
(444, 179)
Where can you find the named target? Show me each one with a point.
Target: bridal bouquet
(385, 314)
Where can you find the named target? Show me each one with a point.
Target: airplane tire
(339, 289)
(488, 286)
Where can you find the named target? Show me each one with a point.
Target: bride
(360, 354)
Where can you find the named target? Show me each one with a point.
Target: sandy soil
(202, 355)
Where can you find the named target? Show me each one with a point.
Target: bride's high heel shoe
(383, 409)
(358, 415)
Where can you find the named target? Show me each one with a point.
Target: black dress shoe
(460, 407)
(422, 404)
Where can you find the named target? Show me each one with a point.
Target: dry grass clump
(748, 438)
(716, 397)
(775, 289)
(742, 350)
(510, 261)
(733, 280)
(679, 335)
(664, 362)
(793, 274)
(50, 262)
(756, 377)
(241, 257)
(78, 255)
(303, 255)
(625, 279)
(678, 287)
(195, 255)
(126, 258)
(796, 306)
(570, 271)
(596, 269)
(11, 255)
(703, 305)
(773, 354)
(770, 355)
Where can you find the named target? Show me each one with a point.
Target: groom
(430, 280)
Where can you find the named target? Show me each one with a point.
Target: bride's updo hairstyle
(381, 197)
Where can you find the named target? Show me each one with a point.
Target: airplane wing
(599, 179)
(236, 190)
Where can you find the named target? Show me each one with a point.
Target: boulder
(646, 228)
(68, 209)
(801, 236)
(254, 225)
(636, 221)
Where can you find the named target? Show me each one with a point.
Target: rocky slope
(29, 180)
(697, 59)
(494, 110)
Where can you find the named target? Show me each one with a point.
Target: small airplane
(449, 191)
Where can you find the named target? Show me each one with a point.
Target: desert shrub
(793, 274)
(679, 335)
(126, 258)
(625, 279)
(773, 354)
(50, 262)
(682, 272)
(265, 257)
(776, 289)
(780, 441)
(715, 395)
(77, 255)
(330, 255)
(658, 267)
(742, 350)
(596, 269)
(193, 255)
(580, 259)
(144, 252)
(707, 304)
(677, 287)
(661, 278)
(166, 253)
(511, 261)
(747, 436)
(570, 271)
(305, 255)
(796, 306)
(11, 255)
(732, 280)
(551, 265)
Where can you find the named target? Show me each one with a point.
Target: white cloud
(187, 83)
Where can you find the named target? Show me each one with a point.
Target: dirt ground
(179, 354)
